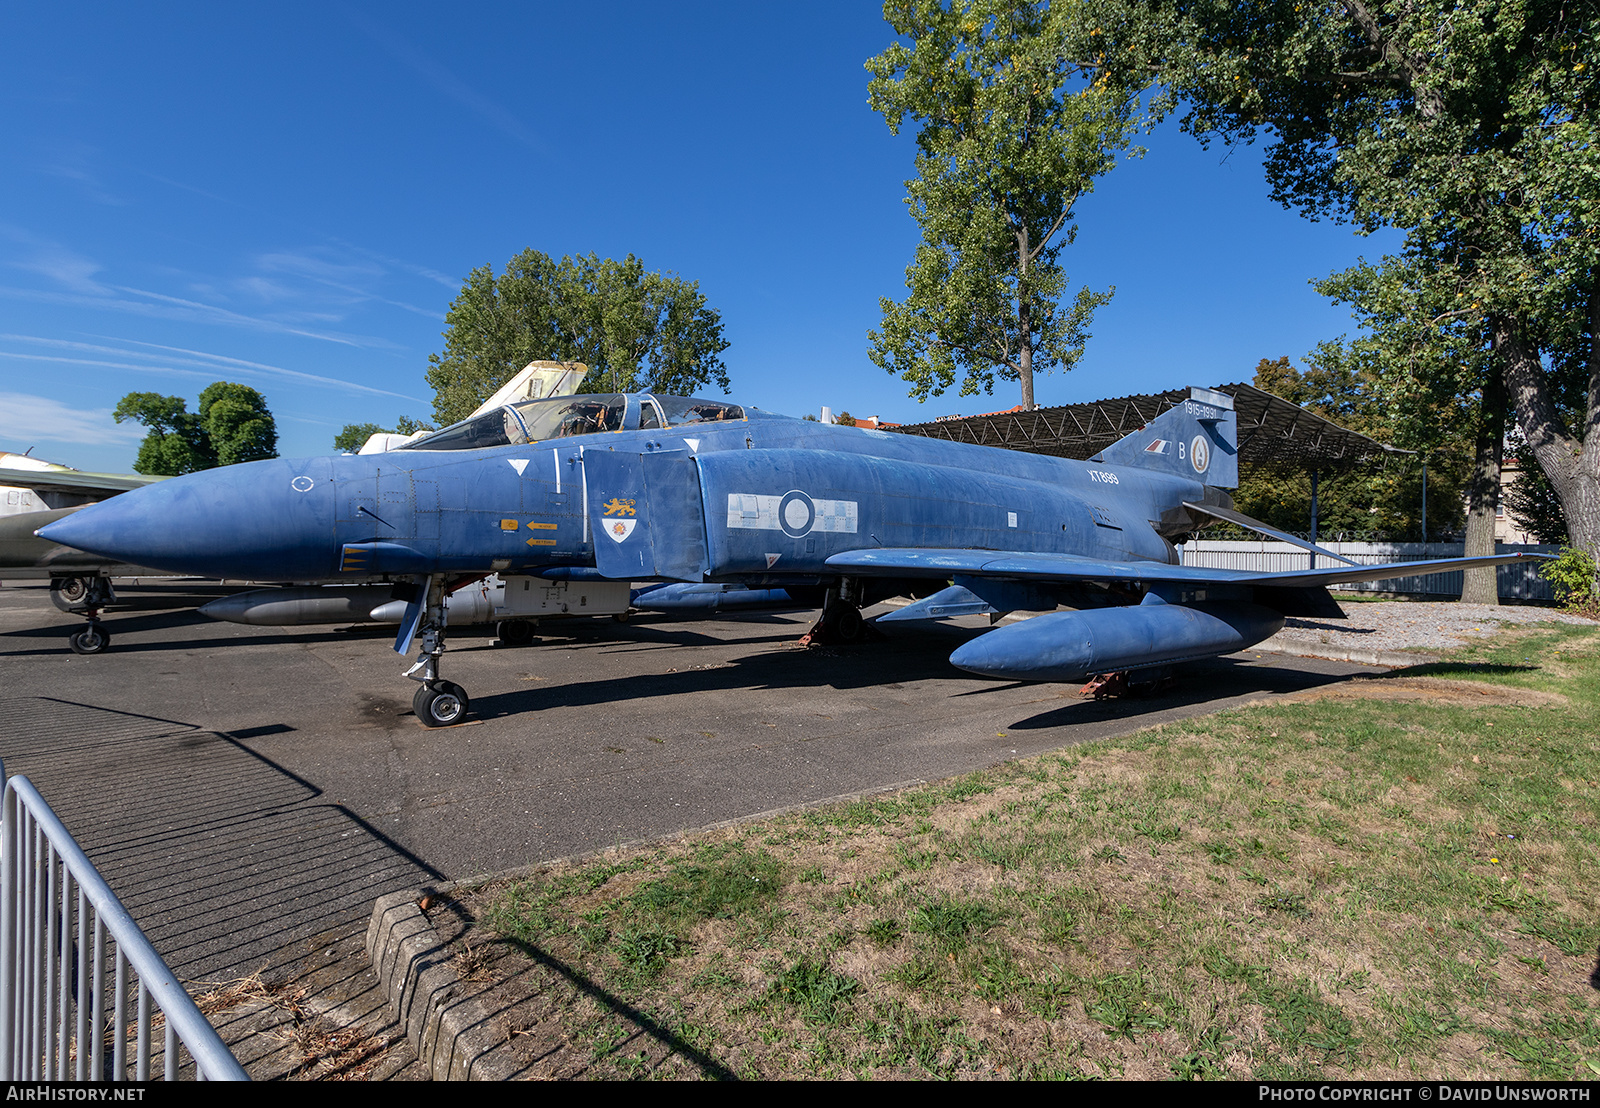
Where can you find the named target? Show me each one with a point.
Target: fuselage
(757, 498)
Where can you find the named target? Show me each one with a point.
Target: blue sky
(290, 195)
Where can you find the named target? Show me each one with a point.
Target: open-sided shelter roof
(1273, 433)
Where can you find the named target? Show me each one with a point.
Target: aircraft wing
(1023, 566)
(73, 481)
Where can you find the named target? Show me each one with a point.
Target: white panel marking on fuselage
(518, 464)
(555, 456)
(755, 512)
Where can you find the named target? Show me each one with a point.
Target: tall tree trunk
(1572, 466)
(1479, 586)
(1024, 321)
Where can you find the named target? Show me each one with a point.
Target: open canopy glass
(559, 417)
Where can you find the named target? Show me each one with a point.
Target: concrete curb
(1302, 646)
(451, 1033)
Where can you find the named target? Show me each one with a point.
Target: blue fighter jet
(638, 487)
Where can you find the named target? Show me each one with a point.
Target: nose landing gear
(86, 595)
(438, 703)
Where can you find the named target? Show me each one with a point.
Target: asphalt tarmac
(250, 791)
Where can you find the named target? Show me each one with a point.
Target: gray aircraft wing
(74, 481)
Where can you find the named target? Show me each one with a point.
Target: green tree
(233, 425)
(1382, 501)
(635, 330)
(355, 435)
(176, 443)
(1012, 135)
(1471, 125)
(236, 424)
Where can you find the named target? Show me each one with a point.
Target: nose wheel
(437, 702)
(86, 596)
(91, 639)
(440, 703)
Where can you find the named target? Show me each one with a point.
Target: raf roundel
(301, 484)
(796, 514)
(1199, 453)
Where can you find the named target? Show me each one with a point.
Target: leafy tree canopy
(1378, 501)
(1472, 126)
(355, 435)
(236, 424)
(1012, 134)
(635, 330)
(232, 425)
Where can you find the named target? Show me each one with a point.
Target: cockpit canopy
(557, 417)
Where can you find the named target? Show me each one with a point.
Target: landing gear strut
(86, 595)
(841, 620)
(437, 703)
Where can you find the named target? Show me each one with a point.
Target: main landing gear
(841, 620)
(86, 595)
(1129, 683)
(438, 703)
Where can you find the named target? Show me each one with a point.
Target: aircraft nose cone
(270, 520)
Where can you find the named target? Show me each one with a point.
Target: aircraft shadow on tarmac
(898, 657)
(230, 863)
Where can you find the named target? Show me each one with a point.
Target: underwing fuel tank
(1064, 646)
(495, 598)
(297, 607)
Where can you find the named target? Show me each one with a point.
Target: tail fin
(1198, 438)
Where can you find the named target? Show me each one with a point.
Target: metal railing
(78, 979)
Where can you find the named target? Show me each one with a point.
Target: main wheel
(68, 593)
(844, 620)
(91, 639)
(441, 704)
(515, 632)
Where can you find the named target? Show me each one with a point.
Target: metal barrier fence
(78, 979)
(1516, 582)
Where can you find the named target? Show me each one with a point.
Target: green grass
(1380, 887)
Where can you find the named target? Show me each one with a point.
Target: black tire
(443, 704)
(515, 632)
(69, 593)
(92, 639)
(844, 621)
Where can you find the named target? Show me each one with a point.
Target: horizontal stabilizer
(1239, 519)
(1024, 566)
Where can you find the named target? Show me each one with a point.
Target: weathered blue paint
(1064, 646)
(759, 501)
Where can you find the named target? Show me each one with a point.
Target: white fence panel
(1517, 582)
